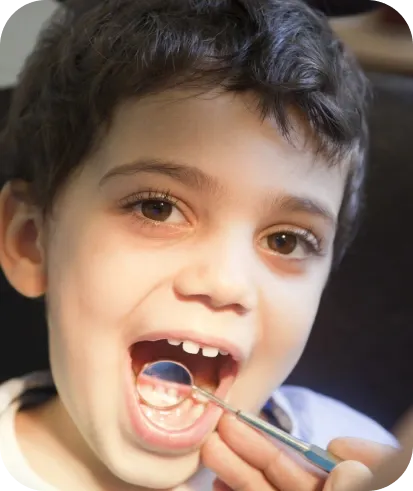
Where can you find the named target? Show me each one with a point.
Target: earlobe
(22, 255)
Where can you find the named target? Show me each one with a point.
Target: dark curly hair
(95, 54)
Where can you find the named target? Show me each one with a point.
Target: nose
(219, 276)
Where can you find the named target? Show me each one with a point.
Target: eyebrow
(301, 204)
(200, 181)
(188, 175)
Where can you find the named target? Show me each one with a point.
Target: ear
(22, 256)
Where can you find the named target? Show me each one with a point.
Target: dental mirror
(164, 384)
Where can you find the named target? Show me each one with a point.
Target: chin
(149, 470)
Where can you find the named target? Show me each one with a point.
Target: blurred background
(361, 348)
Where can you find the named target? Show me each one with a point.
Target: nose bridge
(223, 260)
(221, 271)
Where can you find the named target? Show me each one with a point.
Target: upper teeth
(193, 348)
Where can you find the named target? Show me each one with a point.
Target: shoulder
(14, 389)
(320, 419)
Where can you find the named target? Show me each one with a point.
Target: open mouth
(186, 423)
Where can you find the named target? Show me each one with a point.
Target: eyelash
(313, 243)
(309, 237)
(136, 198)
(131, 201)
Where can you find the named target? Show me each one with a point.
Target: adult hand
(395, 465)
(244, 460)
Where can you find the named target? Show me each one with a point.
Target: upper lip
(236, 352)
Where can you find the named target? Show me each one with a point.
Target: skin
(388, 470)
(245, 461)
(110, 275)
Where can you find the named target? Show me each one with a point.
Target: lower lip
(158, 439)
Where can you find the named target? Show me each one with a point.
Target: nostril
(217, 287)
(238, 308)
(212, 303)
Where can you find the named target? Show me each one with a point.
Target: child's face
(231, 263)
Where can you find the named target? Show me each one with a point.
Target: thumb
(349, 476)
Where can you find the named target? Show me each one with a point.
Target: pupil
(282, 243)
(156, 210)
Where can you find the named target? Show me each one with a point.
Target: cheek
(285, 324)
(99, 274)
(96, 283)
(289, 316)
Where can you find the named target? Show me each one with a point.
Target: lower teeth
(178, 418)
(159, 397)
(156, 401)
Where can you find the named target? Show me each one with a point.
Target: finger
(350, 476)
(394, 467)
(230, 468)
(404, 430)
(369, 453)
(282, 468)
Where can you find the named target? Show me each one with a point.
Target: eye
(154, 208)
(282, 243)
(158, 210)
(293, 244)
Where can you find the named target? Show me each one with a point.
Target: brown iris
(156, 210)
(283, 243)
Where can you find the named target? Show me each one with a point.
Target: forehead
(225, 137)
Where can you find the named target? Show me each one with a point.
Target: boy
(179, 177)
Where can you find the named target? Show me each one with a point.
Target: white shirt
(310, 416)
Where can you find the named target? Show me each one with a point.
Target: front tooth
(173, 342)
(210, 352)
(190, 347)
(223, 353)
